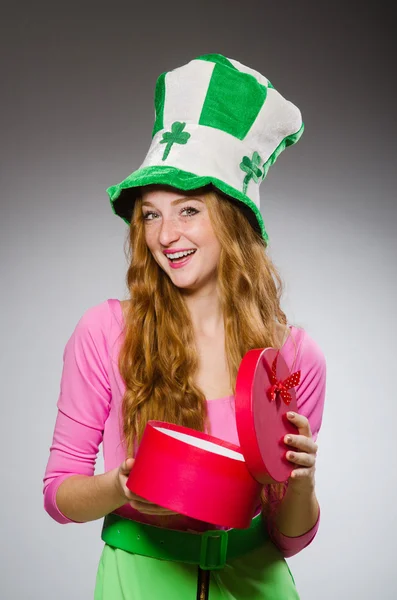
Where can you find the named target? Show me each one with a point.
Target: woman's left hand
(302, 453)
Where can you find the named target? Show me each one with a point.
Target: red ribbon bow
(282, 387)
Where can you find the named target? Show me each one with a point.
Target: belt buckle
(213, 549)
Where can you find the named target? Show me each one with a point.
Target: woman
(202, 293)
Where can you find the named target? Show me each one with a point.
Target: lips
(174, 251)
(180, 262)
(180, 258)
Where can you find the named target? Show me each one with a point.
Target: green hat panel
(229, 105)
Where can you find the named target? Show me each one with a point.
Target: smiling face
(178, 223)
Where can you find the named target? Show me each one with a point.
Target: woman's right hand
(138, 503)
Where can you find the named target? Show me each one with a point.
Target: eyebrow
(177, 201)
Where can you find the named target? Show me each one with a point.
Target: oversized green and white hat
(216, 122)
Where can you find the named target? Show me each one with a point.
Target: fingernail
(291, 415)
(288, 439)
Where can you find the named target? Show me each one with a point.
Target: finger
(127, 465)
(301, 458)
(302, 474)
(150, 506)
(302, 442)
(152, 509)
(140, 500)
(301, 422)
(161, 510)
(166, 511)
(162, 513)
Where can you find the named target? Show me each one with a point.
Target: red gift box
(206, 478)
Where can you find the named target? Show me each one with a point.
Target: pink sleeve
(83, 407)
(310, 401)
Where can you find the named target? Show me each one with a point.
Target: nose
(169, 231)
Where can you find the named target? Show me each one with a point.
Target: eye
(192, 211)
(147, 214)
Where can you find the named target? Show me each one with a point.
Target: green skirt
(262, 574)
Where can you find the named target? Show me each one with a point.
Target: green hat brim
(122, 195)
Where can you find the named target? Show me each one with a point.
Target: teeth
(180, 254)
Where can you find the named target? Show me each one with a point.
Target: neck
(205, 312)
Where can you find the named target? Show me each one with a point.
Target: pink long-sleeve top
(89, 412)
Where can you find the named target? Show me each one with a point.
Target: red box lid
(264, 394)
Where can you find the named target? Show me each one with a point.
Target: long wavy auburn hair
(158, 358)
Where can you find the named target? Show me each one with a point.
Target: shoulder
(306, 350)
(312, 354)
(100, 315)
(97, 323)
(124, 304)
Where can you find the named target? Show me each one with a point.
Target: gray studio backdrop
(77, 112)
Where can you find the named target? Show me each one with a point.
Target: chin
(187, 283)
(184, 286)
